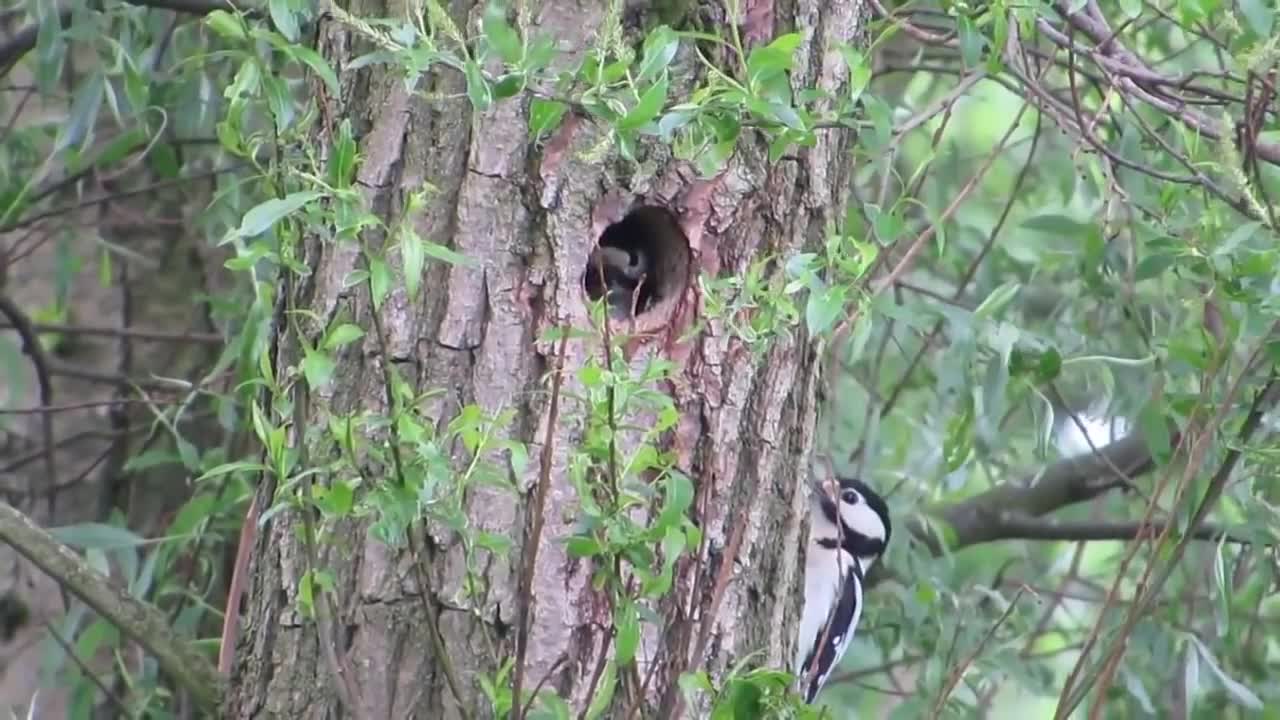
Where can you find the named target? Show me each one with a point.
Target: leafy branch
(141, 622)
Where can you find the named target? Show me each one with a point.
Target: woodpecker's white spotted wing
(843, 621)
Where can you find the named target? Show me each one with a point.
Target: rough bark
(531, 214)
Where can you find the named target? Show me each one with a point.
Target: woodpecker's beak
(822, 479)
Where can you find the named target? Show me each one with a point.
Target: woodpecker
(625, 270)
(846, 536)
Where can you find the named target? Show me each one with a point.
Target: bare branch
(992, 515)
(140, 622)
(118, 332)
(32, 347)
(1028, 528)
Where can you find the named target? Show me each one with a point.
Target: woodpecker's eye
(851, 497)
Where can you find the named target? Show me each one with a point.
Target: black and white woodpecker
(624, 270)
(846, 536)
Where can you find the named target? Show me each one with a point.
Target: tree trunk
(530, 214)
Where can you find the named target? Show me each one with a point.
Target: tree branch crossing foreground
(1014, 509)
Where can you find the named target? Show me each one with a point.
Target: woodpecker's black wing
(843, 622)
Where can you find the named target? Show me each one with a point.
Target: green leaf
(1134, 685)
(1240, 235)
(501, 36)
(1131, 8)
(444, 254)
(1260, 14)
(626, 624)
(545, 116)
(413, 255)
(96, 536)
(552, 707)
(237, 466)
(673, 121)
(694, 683)
(583, 546)
(282, 16)
(677, 498)
(225, 24)
(997, 299)
(306, 596)
(342, 335)
(85, 104)
(957, 444)
(604, 692)
(155, 457)
(519, 459)
(188, 453)
(1222, 608)
(495, 543)
(647, 109)
(742, 699)
(1155, 430)
(121, 146)
(778, 112)
(280, 100)
(659, 49)
(478, 90)
(971, 42)
(318, 65)
(1238, 692)
(1050, 365)
(542, 50)
(338, 498)
(318, 368)
(1153, 266)
(105, 273)
(508, 86)
(1057, 224)
(994, 392)
(163, 159)
(265, 214)
(859, 70)
(342, 158)
(772, 60)
(673, 544)
(823, 307)
(379, 280)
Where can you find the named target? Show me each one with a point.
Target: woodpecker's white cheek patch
(862, 519)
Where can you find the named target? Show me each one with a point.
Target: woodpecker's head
(623, 282)
(862, 515)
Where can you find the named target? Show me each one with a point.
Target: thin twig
(1028, 528)
(956, 674)
(429, 598)
(546, 459)
(86, 670)
(116, 332)
(88, 405)
(34, 350)
(239, 573)
(970, 272)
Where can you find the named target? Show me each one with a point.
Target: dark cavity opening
(638, 262)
